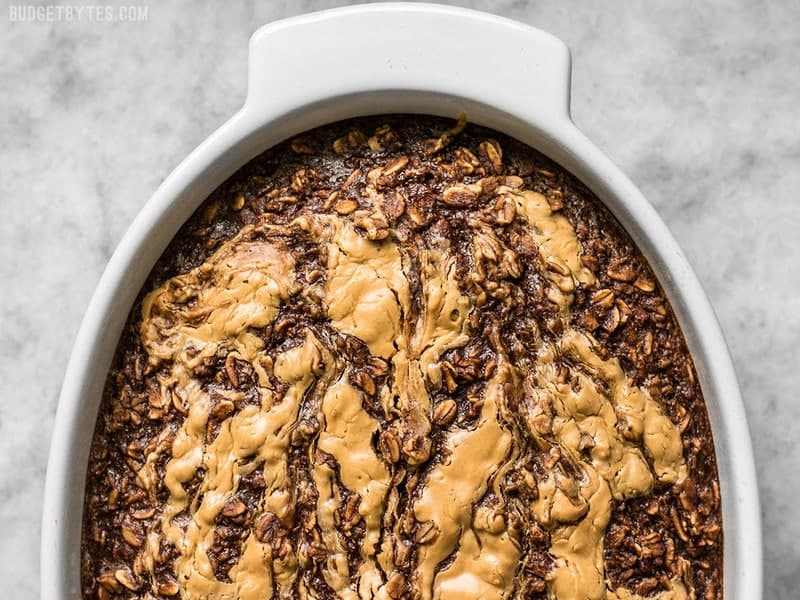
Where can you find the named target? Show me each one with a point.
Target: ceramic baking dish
(394, 58)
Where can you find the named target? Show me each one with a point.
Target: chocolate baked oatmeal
(402, 357)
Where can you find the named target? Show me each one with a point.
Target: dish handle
(373, 48)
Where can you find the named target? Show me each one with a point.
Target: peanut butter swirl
(365, 405)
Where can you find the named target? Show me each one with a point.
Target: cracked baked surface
(402, 357)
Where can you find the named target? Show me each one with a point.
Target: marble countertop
(697, 102)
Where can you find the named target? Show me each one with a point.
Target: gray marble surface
(697, 102)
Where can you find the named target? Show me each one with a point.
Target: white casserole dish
(394, 58)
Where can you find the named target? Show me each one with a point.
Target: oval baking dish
(406, 59)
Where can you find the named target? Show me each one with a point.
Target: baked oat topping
(401, 358)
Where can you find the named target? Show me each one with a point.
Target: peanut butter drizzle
(366, 295)
(240, 287)
(336, 570)
(486, 559)
(211, 307)
(577, 508)
(366, 291)
(559, 248)
(253, 436)
(347, 437)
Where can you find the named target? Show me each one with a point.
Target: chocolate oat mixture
(402, 357)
